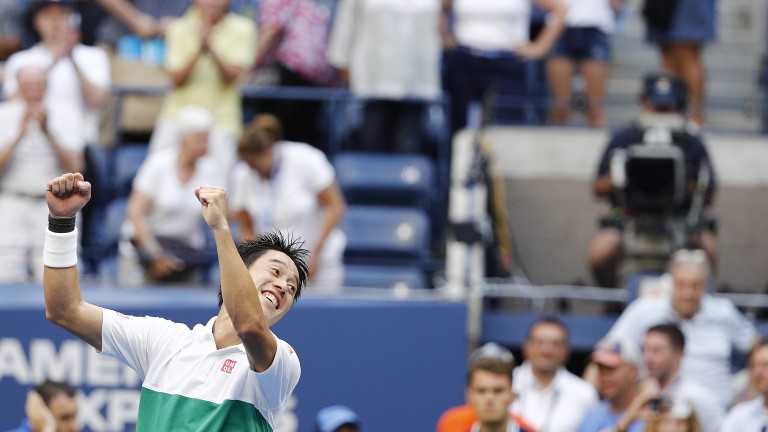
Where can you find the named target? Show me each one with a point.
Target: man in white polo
(232, 374)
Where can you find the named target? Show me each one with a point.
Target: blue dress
(694, 21)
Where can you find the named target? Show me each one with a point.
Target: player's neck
(224, 332)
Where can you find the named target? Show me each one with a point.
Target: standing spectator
(40, 138)
(487, 46)
(550, 398)
(586, 43)
(290, 186)
(389, 51)
(164, 229)
(294, 34)
(77, 73)
(50, 407)
(713, 327)
(337, 418)
(208, 50)
(750, 416)
(680, 29)
(618, 365)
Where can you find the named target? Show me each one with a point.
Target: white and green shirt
(188, 384)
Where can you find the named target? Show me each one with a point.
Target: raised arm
(64, 306)
(238, 289)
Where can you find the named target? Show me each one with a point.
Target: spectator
(750, 415)
(550, 398)
(294, 35)
(290, 186)
(663, 354)
(681, 29)
(337, 418)
(675, 415)
(164, 229)
(489, 398)
(50, 407)
(388, 52)
(208, 50)
(713, 327)
(661, 124)
(488, 46)
(40, 138)
(586, 43)
(618, 364)
(77, 73)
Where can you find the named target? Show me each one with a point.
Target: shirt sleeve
(631, 323)
(238, 45)
(276, 384)
(93, 62)
(148, 175)
(136, 341)
(743, 333)
(239, 190)
(10, 84)
(180, 46)
(317, 169)
(342, 34)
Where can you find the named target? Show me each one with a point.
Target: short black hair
(49, 389)
(549, 319)
(673, 332)
(252, 250)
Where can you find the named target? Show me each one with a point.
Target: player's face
(64, 410)
(547, 347)
(659, 355)
(690, 284)
(490, 394)
(277, 280)
(759, 369)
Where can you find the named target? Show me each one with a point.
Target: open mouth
(272, 298)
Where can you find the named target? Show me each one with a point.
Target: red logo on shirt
(228, 366)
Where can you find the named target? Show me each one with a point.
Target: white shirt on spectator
(391, 47)
(559, 407)
(709, 337)
(591, 13)
(63, 83)
(705, 404)
(748, 416)
(492, 24)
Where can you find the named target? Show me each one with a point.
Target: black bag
(659, 13)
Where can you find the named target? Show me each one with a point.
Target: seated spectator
(164, 230)
(290, 186)
(50, 407)
(618, 366)
(661, 125)
(662, 354)
(489, 395)
(388, 52)
(39, 139)
(549, 397)
(77, 74)
(584, 43)
(487, 46)
(208, 49)
(713, 327)
(337, 418)
(293, 35)
(750, 415)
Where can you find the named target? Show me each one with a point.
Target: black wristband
(61, 225)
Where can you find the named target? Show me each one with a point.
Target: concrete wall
(552, 214)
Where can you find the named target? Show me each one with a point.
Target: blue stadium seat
(385, 179)
(109, 237)
(370, 276)
(127, 160)
(386, 235)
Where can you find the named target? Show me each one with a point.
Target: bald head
(33, 83)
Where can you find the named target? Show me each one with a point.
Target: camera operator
(661, 129)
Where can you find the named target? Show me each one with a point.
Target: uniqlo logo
(229, 366)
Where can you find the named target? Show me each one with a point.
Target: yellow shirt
(234, 42)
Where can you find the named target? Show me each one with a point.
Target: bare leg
(595, 74)
(605, 254)
(684, 59)
(560, 73)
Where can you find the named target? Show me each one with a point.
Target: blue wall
(399, 364)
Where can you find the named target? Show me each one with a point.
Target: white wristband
(60, 250)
